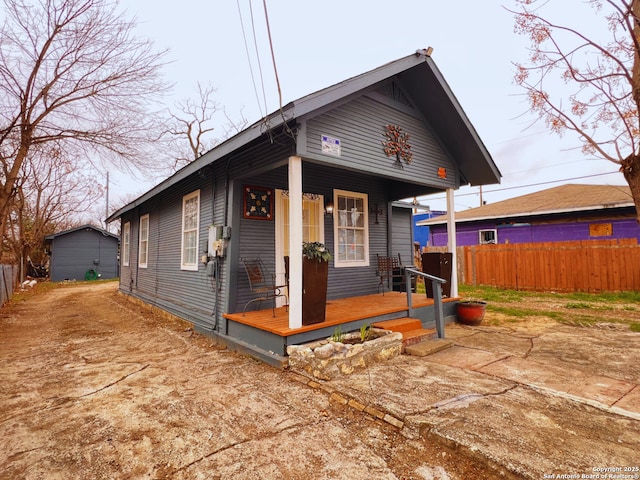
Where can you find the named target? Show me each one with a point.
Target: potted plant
(315, 273)
(470, 311)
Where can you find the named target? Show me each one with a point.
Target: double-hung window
(126, 242)
(351, 229)
(143, 246)
(190, 226)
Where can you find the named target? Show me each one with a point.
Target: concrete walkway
(532, 400)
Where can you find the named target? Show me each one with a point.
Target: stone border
(338, 397)
(327, 359)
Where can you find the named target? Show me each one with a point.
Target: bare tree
(190, 126)
(599, 58)
(72, 75)
(49, 197)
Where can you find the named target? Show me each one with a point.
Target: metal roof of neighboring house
(562, 199)
(83, 227)
(421, 78)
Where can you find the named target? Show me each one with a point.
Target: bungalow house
(329, 167)
(563, 213)
(82, 253)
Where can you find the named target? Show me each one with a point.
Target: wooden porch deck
(339, 311)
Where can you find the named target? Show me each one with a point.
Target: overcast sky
(318, 44)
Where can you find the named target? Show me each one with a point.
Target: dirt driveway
(95, 387)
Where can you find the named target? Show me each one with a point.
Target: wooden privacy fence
(575, 266)
(8, 279)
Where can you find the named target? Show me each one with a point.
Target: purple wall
(467, 233)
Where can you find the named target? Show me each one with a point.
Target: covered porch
(262, 335)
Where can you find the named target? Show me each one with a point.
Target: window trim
(193, 267)
(126, 244)
(495, 236)
(337, 263)
(146, 243)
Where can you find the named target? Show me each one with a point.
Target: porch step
(402, 325)
(411, 329)
(414, 337)
(428, 347)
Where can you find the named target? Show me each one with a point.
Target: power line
(273, 57)
(275, 71)
(246, 47)
(255, 43)
(529, 185)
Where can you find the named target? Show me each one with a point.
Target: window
(143, 247)
(351, 228)
(126, 241)
(312, 219)
(190, 226)
(487, 236)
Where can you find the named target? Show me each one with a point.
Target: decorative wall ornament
(397, 144)
(258, 202)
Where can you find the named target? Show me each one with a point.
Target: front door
(312, 224)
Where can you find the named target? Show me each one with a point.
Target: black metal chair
(391, 271)
(388, 270)
(262, 283)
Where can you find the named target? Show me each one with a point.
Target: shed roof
(563, 199)
(419, 76)
(83, 227)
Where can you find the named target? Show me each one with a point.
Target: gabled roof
(418, 75)
(83, 227)
(562, 199)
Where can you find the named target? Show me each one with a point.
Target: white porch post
(295, 242)
(451, 242)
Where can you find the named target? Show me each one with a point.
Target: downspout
(216, 269)
(225, 218)
(131, 282)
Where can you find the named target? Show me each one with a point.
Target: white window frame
(126, 244)
(143, 244)
(185, 262)
(481, 240)
(339, 262)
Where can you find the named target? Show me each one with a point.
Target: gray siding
(190, 294)
(360, 126)
(73, 254)
(402, 234)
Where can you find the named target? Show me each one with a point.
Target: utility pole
(106, 211)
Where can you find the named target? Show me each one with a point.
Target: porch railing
(436, 283)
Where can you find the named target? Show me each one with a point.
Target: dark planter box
(314, 291)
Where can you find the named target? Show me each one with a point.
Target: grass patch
(491, 294)
(581, 299)
(519, 312)
(578, 305)
(608, 297)
(582, 309)
(634, 326)
(20, 295)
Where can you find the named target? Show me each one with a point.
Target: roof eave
(434, 221)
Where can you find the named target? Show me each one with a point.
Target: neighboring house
(355, 148)
(567, 212)
(422, 233)
(83, 253)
